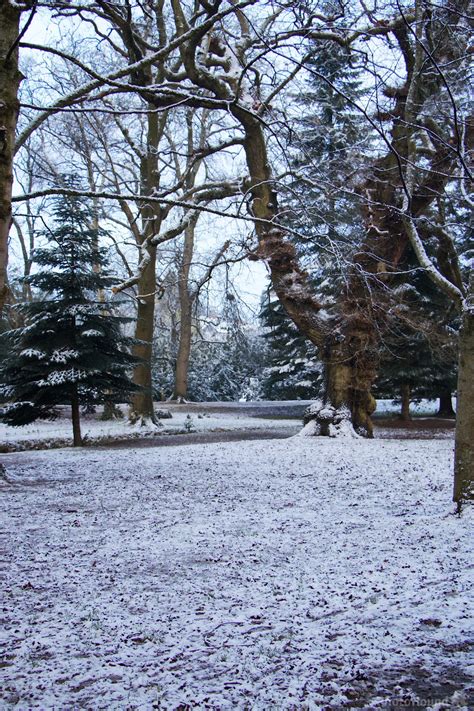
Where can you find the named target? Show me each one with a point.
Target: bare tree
(212, 57)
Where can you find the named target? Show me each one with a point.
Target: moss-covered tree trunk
(10, 78)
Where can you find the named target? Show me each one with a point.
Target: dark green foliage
(72, 347)
(293, 371)
(328, 222)
(420, 347)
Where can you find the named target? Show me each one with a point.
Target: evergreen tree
(71, 350)
(293, 371)
(419, 352)
(330, 227)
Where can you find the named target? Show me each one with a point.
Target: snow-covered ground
(192, 417)
(311, 574)
(195, 417)
(421, 408)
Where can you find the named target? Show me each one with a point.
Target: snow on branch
(214, 192)
(137, 197)
(434, 274)
(151, 58)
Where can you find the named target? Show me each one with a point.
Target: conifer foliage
(71, 350)
(294, 371)
(328, 132)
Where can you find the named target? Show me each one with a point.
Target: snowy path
(284, 574)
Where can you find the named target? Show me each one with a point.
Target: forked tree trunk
(446, 405)
(405, 394)
(76, 420)
(464, 446)
(10, 78)
(348, 345)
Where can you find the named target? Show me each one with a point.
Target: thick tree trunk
(10, 78)
(350, 370)
(446, 405)
(405, 395)
(464, 447)
(76, 421)
(185, 326)
(348, 345)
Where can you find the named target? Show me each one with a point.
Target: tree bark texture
(10, 78)
(464, 444)
(142, 402)
(185, 307)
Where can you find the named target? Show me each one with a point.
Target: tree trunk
(142, 401)
(350, 370)
(141, 409)
(446, 405)
(405, 393)
(76, 420)
(185, 329)
(10, 78)
(464, 446)
(111, 411)
(184, 352)
(348, 345)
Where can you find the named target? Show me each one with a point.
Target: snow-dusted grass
(284, 574)
(421, 408)
(199, 417)
(195, 417)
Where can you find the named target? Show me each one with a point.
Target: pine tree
(71, 350)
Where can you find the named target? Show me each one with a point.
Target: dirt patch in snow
(201, 438)
(416, 428)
